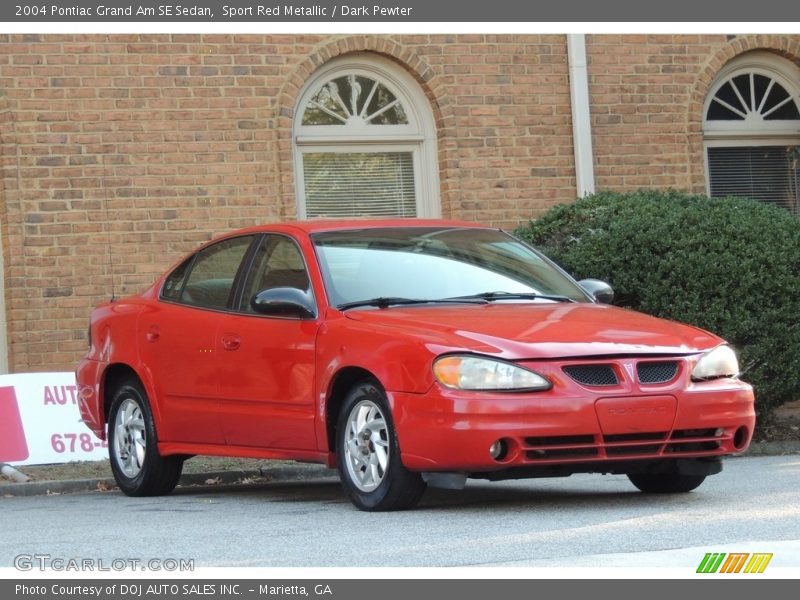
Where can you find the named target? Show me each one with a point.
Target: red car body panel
(247, 385)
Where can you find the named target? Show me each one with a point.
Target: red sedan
(405, 353)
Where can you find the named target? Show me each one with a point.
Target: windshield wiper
(386, 302)
(489, 296)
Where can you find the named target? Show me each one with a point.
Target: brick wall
(122, 152)
(646, 98)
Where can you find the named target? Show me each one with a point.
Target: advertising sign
(40, 422)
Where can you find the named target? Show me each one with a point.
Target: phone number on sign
(75, 442)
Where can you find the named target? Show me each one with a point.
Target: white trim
(581, 116)
(754, 130)
(779, 70)
(419, 136)
(321, 140)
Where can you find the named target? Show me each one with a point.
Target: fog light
(498, 450)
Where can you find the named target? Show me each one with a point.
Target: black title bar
(392, 11)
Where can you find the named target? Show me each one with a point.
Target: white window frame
(754, 130)
(417, 137)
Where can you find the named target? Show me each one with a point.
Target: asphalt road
(586, 520)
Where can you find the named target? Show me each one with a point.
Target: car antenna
(108, 229)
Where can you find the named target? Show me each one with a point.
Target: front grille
(621, 446)
(560, 446)
(626, 444)
(560, 440)
(693, 447)
(561, 453)
(682, 434)
(693, 440)
(592, 375)
(633, 449)
(656, 372)
(633, 437)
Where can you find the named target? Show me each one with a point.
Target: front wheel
(368, 454)
(666, 483)
(132, 446)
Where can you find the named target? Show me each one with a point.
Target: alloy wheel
(130, 441)
(366, 446)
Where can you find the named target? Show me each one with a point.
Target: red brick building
(122, 152)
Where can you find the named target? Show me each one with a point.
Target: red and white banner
(40, 422)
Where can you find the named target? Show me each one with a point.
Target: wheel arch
(344, 379)
(113, 376)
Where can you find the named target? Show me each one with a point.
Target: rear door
(178, 341)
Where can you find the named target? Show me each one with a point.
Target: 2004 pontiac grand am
(404, 353)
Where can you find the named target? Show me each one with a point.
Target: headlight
(719, 362)
(474, 373)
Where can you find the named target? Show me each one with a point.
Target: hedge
(729, 265)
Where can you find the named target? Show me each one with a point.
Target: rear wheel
(133, 446)
(666, 483)
(368, 454)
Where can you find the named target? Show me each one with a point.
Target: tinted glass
(210, 282)
(432, 263)
(278, 263)
(174, 283)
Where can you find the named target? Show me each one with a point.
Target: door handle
(231, 341)
(153, 334)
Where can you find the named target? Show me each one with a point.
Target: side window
(210, 281)
(278, 263)
(174, 283)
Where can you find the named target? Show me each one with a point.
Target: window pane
(758, 95)
(278, 263)
(431, 263)
(355, 98)
(355, 184)
(211, 280)
(742, 83)
(718, 112)
(761, 86)
(384, 109)
(326, 107)
(728, 98)
(174, 283)
(765, 173)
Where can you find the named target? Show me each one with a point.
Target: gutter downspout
(581, 121)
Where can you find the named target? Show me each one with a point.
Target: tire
(368, 455)
(133, 446)
(666, 483)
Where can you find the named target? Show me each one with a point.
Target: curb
(281, 474)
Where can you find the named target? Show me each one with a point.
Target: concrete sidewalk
(277, 474)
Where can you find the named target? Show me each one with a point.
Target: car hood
(540, 330)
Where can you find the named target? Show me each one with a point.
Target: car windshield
(394, 265)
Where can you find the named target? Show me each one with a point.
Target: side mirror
(284, 302)
(599, 290)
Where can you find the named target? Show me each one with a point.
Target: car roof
(316, 226)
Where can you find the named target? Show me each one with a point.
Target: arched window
(751, 128)
(365, 143)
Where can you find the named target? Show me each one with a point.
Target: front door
(266, 364)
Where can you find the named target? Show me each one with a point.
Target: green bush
(728, 265)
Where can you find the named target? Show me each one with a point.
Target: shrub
(728, 265)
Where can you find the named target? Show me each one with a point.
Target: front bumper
(573, 424)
